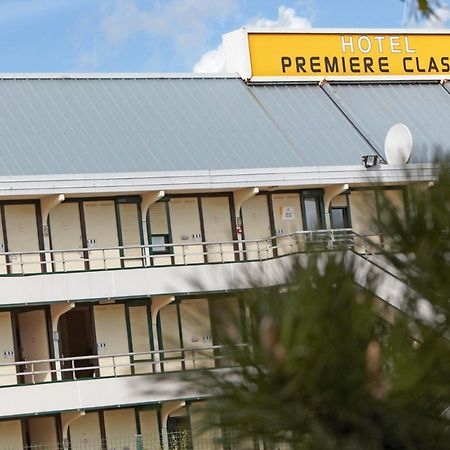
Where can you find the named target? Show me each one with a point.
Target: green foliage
(323, 371)
(425, 7)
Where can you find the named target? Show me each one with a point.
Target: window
(312, 205)
(159, 242)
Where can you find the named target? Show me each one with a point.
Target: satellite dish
(398, 144)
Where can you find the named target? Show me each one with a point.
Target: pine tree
(325, 368)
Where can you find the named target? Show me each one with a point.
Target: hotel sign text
(348, 54)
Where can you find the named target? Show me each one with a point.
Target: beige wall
(217, 223)
(185, 223)
(7, 373)
(21, 228)
(255, 217)
(196, 328)
(120, 428)
(34, 342)
(111, 330)
(11, 434)
(65, 231)
(43, 432)
(140, 339)
(85, 433)
(101, 226)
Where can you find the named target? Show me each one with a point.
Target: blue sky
(159, 35)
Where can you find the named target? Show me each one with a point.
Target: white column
(68, 418)
(56, 311)
(47, 204)
(166, 410)
(331, 192)
(148, 199)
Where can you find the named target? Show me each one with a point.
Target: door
(196, 332)
(159, 234)
(287, 216)
(256, 223)
(22, 236)
(130, 233)
(217, 226)
(120, 428)
(169, 337)
(313, 213)
(150, 428)
(140, 326)
(85, 432)
(75, 329)
(102, 234)
(42, 433)
(65, 229)
(34, 344)
(186, 230)
(112, 339)
(11, 434)
(7, 355)
(3, 266)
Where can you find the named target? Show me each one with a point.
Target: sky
(167, 35)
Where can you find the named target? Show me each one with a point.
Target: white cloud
(180, 27)
(213, 61)
(439, 19)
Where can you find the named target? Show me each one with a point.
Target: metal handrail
(241, 250)
(114, 365)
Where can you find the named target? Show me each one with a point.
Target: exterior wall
(22, 234)
(42, 432)
(256, 222)
(217, 225)
(101, 231)
(186, 229)
(85, 432)
(120, 427)
(112, 338)
(34, 343)
(11, 435)
(287, 214)
(7, 353)
(149, 428)
(65, 228)
(140, 337)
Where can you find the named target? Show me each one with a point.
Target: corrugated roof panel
(318, 131)
(424, 108)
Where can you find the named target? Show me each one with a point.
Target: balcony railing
(114, 365)
(167, 254)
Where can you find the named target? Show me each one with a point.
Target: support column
(330, 193)
(166, 410)
(147, 200)
(47, 204)
(56, 311)
(158, 302)
(67, 418)
(240, 197)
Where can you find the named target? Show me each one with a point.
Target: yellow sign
(348, 54)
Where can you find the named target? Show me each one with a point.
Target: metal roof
(83, 124)
(423, 107)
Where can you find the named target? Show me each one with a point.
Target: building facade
(133, 207)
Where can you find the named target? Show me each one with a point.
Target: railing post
(73, 369)
(114, 366)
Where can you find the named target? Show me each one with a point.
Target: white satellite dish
(398, 144)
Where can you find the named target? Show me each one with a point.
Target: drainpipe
(147, 200)
(67, 419)
(240, 197)
(158, 302)
(47, 204)
(166, 411)
(56, 311)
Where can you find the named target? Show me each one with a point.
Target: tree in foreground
(327, 369)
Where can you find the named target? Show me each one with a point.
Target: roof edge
(112, 76)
